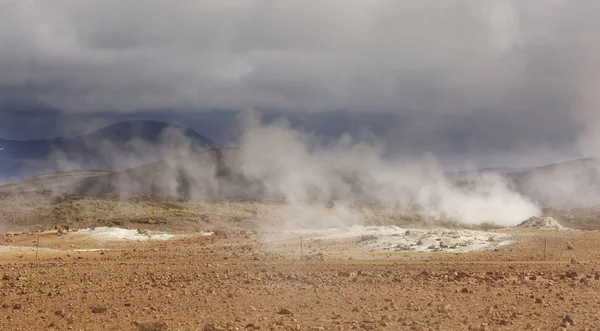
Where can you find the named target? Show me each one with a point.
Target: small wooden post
(37, 247)
(545, 245)
(300, 248)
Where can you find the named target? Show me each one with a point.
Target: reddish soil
(235, 282)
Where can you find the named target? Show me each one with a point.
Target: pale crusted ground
(234, 281)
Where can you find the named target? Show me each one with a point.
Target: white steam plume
(306, 175)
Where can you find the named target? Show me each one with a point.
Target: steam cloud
(291, 167)
(536, 61)
(340, 184)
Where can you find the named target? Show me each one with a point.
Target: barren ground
(234, 281)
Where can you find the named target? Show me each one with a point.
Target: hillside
(55, 181)
(571, 184)
(118, 146)
(217, 174)
(208, 175)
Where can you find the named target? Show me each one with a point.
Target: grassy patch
(43, 210)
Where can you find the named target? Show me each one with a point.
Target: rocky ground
(547, 280)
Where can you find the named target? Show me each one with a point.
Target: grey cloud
(519, 73)
(386, 55)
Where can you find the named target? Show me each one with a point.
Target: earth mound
(545, 222)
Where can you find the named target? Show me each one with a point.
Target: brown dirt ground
(234, 281)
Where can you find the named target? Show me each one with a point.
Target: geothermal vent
(546, 222)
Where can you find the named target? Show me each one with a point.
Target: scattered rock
(284, 311)
(571, 274)
(367, 237)
(568, 319)
(99, 310)
(546, 222)
(151, 326)
(443, 308)
(211, 327)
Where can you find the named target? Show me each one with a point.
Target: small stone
(569, 319)
(443, 308)
(284, 311)
(99, 310)
(571, 274)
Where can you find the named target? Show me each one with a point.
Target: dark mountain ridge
(114, 147)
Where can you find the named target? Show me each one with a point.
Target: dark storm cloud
(477, 75)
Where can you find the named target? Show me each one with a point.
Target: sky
(495, 82)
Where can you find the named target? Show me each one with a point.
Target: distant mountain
(212, 174)
(59, 182)
(218, 173)
(502, 170)
(563, 185)
(117, 146)
(462, 176)
(570, 184)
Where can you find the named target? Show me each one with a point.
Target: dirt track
(234, 282)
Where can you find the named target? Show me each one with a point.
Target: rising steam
(291, 166)
(343, 183)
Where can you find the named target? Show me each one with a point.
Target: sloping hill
(118, 146)
(21, 168)
(218, 174)
(207, 175)
(210, 174)
(63, 181)
(570, 184)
